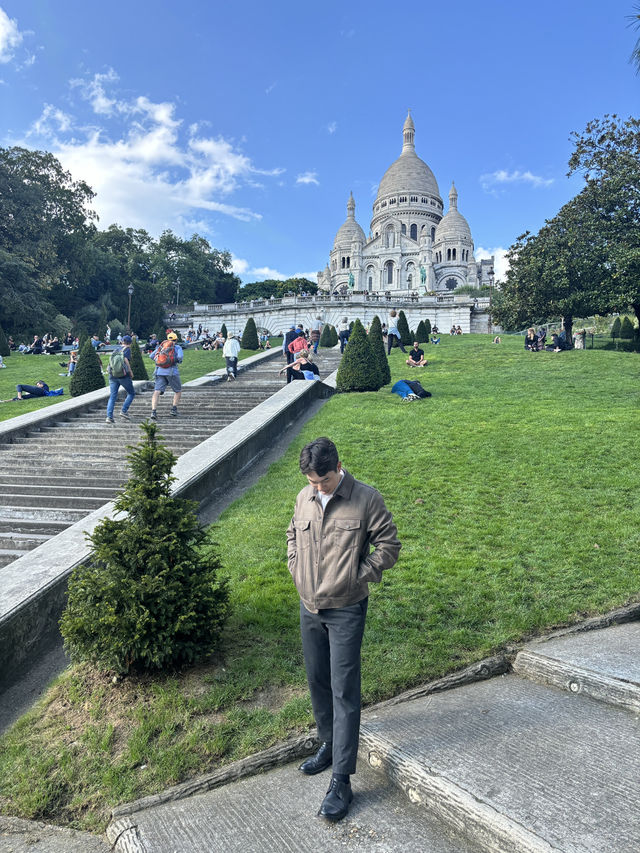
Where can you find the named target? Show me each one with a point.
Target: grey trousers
(331, 641)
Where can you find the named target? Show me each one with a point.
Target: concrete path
(512, 764)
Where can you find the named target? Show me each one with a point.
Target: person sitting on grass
(531, 340)
(416, 356)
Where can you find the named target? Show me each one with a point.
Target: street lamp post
(130, 292)
(490, 275)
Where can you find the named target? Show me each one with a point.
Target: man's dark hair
(319, 456)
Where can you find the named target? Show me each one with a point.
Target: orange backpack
(166, 354)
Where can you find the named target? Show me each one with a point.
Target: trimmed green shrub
(334, 336)
(616, 328)
(403, 328)
(377, 348)
(427, 325)
(88, 374)
(626, 330)
(325, 336)
(250, 336)
(358, 369)
(137, 362)
(422, 336)
(225, 334)
(151, 598)
(5, 352)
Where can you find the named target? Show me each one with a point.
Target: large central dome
(408, 174)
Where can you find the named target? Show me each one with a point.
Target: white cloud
(147, 170)
(10, 37)
(247, 272)
(270, 89)
(500, 177)
(51, 116)
(308, 178)
(500, 263)
(332, 127)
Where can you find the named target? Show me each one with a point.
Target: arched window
(409, 280)
(343, 263)
(453, 255)
(433, 233)
(448, 254)
(414, 232)
(349, 260)
(389, 272)
(403, 228)
(370, 283)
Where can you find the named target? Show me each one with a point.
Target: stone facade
(413, 246)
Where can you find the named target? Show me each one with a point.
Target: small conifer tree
(88, 373)
(616, 328)
(225, 334)
(137, 362)
(151, 597)
(334, 336)
(626, 330)
(5, 352)
(377, 348)
(427, 325)
(403, 328)
(358, 369)
(325, 337)
(422, 336)
(250, 336)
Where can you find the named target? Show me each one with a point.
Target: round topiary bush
(377, 348)
(151, 597)
(137, 362)
(358, 369)
(250, 336)
(88, 374)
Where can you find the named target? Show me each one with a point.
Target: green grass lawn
(517, 503)
(28, 369)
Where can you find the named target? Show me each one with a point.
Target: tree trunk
(567, 324)
(636, 308)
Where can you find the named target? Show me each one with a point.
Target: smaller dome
(349, 230)
(453, 225)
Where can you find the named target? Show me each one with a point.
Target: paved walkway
(531, 761)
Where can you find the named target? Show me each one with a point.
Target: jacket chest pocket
(304, 533)
(346, 533)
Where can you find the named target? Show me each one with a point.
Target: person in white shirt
(230, 351)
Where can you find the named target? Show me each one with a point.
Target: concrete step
(518, 765)
(9, 480)
(602, 664)
(31, 526)
(70, 490)
(50, 501)
(277, 811)
(8, 555)
(45, 514)
(22, 541)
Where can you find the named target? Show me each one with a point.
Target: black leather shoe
(336, 804)
(318, 762)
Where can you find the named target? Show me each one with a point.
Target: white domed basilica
(413, 246)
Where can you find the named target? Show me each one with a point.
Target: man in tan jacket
(341, 538)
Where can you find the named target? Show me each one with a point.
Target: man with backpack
(167, 356)
(120, 374)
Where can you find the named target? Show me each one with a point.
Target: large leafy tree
(276, 288)
(607, 154)
(561, 271)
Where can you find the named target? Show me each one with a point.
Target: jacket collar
(343, 489)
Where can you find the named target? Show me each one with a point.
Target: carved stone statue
(423, 274)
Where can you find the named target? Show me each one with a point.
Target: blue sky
(251, 122)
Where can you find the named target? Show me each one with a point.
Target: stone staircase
(58, 474)
(545, 759)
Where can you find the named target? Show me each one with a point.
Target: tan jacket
(330, 557)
